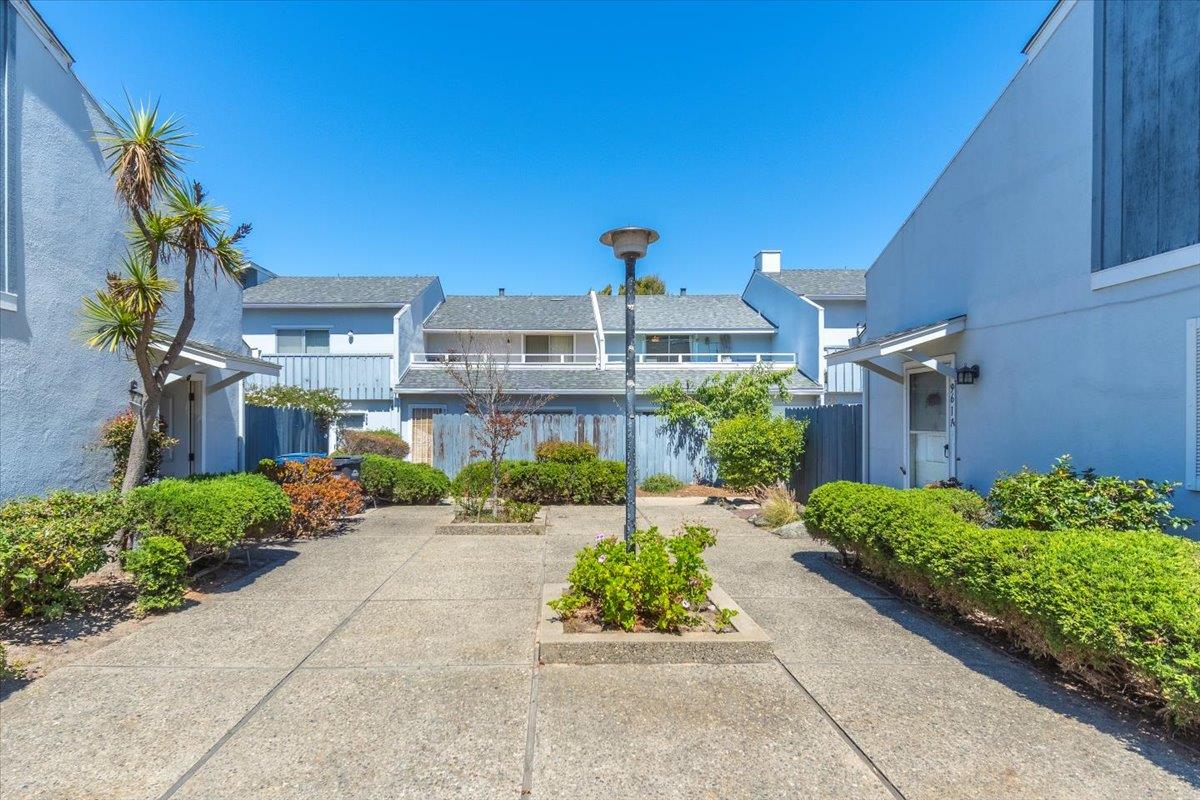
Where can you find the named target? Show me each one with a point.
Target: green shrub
(381, 442)
(399, 481)
(45, 543)
(1066, 498)
(116, 435)
(159, 566)
(661, 483)
(660, 584)
(209, 514)
(1120, 609)
(546, 482)
(324, 404)
(516, 511)
(562, 452)
(756, 451)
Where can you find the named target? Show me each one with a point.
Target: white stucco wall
(1005, 236)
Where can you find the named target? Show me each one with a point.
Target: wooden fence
(272, 432)
(832, 446)
(655, 450)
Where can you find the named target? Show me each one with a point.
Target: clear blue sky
(491, 144)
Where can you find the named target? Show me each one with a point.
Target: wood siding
(355, 377)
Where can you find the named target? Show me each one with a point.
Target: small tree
(483, 382)
(170, 221)
(646, 284)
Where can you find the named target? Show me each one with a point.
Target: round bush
(399, 481)
(756, 451)
(381, 442)
(159, 566)
(561, 452)
(661, 483)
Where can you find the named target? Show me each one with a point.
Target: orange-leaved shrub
(318, 497)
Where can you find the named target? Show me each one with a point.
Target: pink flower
(686, 604)
(601, 558)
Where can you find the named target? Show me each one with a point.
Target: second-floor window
(301, 341)
(549, 349)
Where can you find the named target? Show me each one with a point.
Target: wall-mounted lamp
(135, 395)
(967, 375)
(350, 336)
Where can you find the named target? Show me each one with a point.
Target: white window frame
(1192, 424)
(951, 418)
(304, 329)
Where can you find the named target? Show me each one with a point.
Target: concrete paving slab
(232, 633)
(409, 632)
(563, 548)
(83, 733)
(588, 520)
(374, 734)
(805, 574)
(997, 732)
(688, 731)
(854, 630)
(499, 549)
(464, 580)
(314, 577)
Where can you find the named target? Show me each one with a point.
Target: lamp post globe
(629, 244)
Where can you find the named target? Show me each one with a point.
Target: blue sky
(492, 143)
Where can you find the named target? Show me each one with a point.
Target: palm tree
(169, 221)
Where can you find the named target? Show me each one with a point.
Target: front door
(422, 434)
(928, 433)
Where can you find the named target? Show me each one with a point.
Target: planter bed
(488, 528)
(747, 643)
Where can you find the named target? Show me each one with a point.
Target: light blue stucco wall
(1005, 236)
(797, 322)
(54, 391)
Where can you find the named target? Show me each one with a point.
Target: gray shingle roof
(823, 282)
(337, 290)
(550, 381)
(538, 312)
(692, 312)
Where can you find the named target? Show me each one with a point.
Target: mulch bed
(588, 620)
(695, 490)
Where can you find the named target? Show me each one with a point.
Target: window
(663, 347)
(551, 348)
(302, 341)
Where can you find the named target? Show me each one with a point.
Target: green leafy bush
(753, 451)
(45, 543)
(660, 584)
(116, 435)
(381, 442)
(399, 481)
(1066, 498)
(209, 514)
(546, 482)
(1120, 609)
(661, 483)
(516, 511)
(324, 404)
(562, 452)
(159, 566)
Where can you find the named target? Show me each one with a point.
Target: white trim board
(1191, 473)
(1170, 261)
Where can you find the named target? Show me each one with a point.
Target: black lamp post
(629, 244)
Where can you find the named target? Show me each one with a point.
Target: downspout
(600, 356)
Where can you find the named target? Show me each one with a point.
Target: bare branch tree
(485, 386)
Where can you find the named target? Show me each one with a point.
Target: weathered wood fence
(832, 446)
(655, 450)
(272, 432)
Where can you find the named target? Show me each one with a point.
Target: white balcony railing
(522, 359)
(722, 360)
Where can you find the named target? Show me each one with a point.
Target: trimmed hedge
(1119, 609)
(562, 452)
(45, 543)
(399, 481)
(209, 514)
(159, 566)
(381, 442)
(546, 482)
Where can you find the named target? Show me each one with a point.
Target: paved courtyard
(390, 663)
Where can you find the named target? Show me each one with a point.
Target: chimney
(682, 291)
(768, 261)
(502, 291)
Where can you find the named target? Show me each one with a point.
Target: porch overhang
(199, 355)
(906, 344)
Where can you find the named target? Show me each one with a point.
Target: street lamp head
(629, 242)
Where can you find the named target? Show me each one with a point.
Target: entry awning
(200, 354)
(905, 343)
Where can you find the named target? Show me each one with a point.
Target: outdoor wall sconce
(350, 337)
(967, 375)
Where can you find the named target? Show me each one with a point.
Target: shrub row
(1119, 609)
(381, 442)
(399, 481)
(562, 452)
(318, 497)
(209, 514)
(546, 482)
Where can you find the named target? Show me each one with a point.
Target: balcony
(355, 377)
(713, 360)
(439, 360)
(610, 360)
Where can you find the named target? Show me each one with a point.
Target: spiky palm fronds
(143, 153)
(227, 257)
(139, 288)
(151, 240)
(195, 220)
(109, 324)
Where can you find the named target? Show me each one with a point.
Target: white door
(927, 430)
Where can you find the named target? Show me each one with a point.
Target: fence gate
(272, 432)
(832, 446)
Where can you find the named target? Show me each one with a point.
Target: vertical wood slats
(355, 377)
(832, 447)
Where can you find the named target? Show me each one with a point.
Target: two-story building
(55, 392)
(1044, 296)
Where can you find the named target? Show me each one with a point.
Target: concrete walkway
(389, 663)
